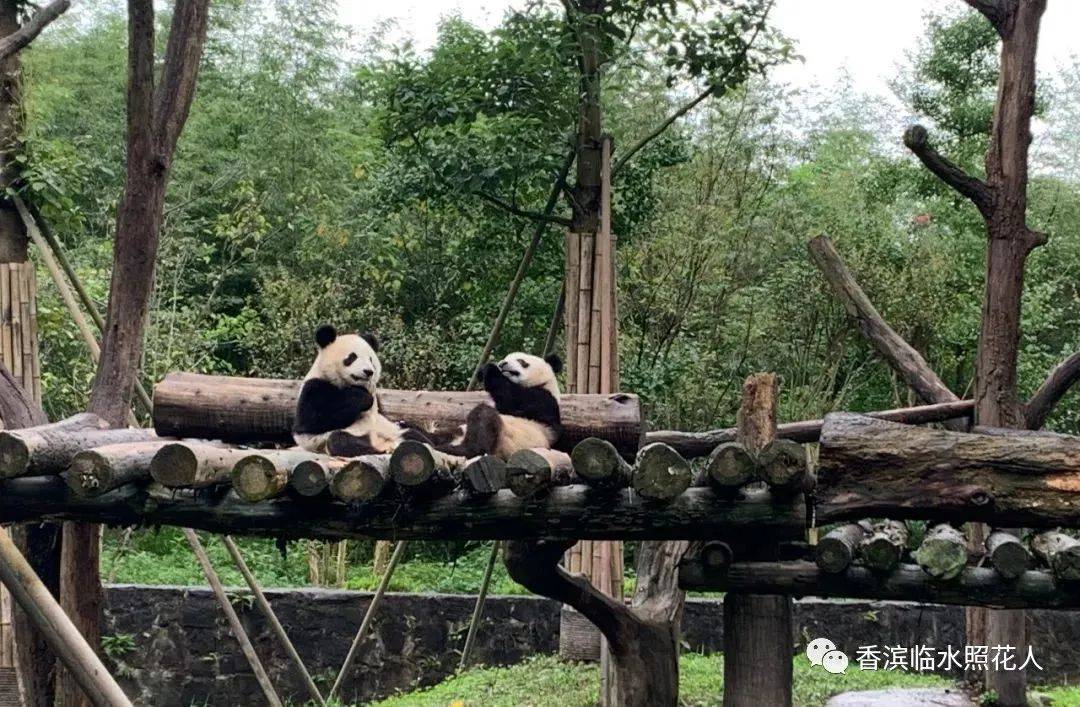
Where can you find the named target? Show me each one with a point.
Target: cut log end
(361, 479)
(89, 472)
(836, 551)
(256, 478)
(783, 465)
(943, 553)
(310, 477)
(527, 473)
(412, 463)
(484, 475)
(717, 555)
(730, 467)
(14, 456)
(597, 462)
(660, 473)
(175, 465)
(1009, 556)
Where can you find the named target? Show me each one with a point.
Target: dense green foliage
(322, 179)
(545, 680)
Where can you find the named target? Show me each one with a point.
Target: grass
(1063, 696)
(163, 557)
(545, 680)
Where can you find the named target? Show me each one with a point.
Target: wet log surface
(873, 468)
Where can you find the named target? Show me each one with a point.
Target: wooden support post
(478, 608)
(58, 630)
(234, 620)
(399, 550)
(757, 628)
(271, 617)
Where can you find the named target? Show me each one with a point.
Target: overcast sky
(867, 37)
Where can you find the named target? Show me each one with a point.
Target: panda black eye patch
(523, 362)
(349, 359)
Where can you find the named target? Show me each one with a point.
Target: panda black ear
(555, 362)
(325, 335)
(372, 340)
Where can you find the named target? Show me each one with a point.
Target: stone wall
(183, 652)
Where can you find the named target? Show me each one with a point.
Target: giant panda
(526, 413)
(340, 392)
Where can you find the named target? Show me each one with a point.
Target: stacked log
(101, 469)
(943, 553)
(251, 409)
(883, 547)
(838, 549)
(867, 468)
(532, 472)
(50, 449)
(974, 586)
(1008, 555)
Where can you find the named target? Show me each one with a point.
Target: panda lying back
(526, 413)
(340, 393)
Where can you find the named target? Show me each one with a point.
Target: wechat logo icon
(823, 653)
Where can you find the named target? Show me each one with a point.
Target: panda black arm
(323, 407)
(536, 404)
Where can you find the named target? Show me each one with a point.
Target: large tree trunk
(155, 116)
(1002, 200)
(997, 401)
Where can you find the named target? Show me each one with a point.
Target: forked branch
(978, 191)
(535, 566)
(1056, 385)
(32, 28)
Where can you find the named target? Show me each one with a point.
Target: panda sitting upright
(340, 393)
(526, 413)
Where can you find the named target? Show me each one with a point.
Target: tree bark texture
(872, 468)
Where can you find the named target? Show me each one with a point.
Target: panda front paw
(488, 373)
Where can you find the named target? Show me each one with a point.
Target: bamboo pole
(50, 256)
(399, 550)
(57, 629)
(268, 612)
(234, 620)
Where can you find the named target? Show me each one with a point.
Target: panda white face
(531, 371)
(346, 360)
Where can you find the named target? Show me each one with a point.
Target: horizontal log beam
(701, 444)
(563, 513)
(236, 409)
(873, 468)
(976, 586)
(50, 449)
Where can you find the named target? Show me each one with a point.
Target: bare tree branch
(978, 191)
(659, 129)
(693, 103)
(903, 358)
(32, 27)
(524, 213)
(174, 92)
(1056, 385)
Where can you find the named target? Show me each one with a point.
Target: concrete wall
(184, 654)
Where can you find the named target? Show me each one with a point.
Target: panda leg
(342, 444)
(482, 429)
